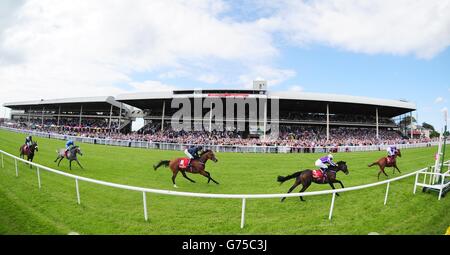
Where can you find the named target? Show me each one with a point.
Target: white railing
(435, 181)
(244, 197)
(217, 148)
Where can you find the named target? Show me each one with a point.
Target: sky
(381, 49)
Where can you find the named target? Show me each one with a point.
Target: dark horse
(197, 166)
(306, 178)
(384, 162)
(29, 152)
(71, 156)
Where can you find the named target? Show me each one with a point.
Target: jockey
(392, 151)
(192, 153)
(28, 142)
(325, 160)
(69, 145)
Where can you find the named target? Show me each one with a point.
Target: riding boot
(324, 173)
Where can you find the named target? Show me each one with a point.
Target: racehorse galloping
(306, 178)
(29, 152)
(197, 166)
(71, 156)
(386, 162)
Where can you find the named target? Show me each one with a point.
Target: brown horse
(384, 162)
(197, 166)
(306, 178)
(29, 152)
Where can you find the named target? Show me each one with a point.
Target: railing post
(387, 192)
(78, 190)
(332, 206)
(17, 171)
(243, 213)
(442, 186)
(415, 184)
(39, 177)
(144, 198)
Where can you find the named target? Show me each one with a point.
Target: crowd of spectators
(289, 135)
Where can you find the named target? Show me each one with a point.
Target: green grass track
(24, 209)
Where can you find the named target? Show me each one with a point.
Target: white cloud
(439, 100)
(400, 27)
(151, 86)
(52, 48)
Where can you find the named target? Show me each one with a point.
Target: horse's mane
(204, 152)
(341, 162)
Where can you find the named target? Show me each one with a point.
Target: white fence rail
(217, 148)
(435, 181)
(243, 197)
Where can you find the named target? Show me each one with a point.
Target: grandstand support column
(412, 129)
(120, 117)
(265, 118)
(110, 117)
(328, 122)
(162, 117)
(29, 113)
(43, 109)
(59, 115)
(378, 123)
(210, 118)
(81, 112)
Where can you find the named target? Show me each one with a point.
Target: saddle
(26, 149)
(318, 175)
(390, 160)
(183, 164)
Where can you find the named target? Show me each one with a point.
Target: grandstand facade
(321, 117)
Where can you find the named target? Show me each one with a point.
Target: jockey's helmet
(330, 156)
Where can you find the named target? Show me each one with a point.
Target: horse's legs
(305, 186)
(79, 163)
(70, 164)
(175, 172)
(210, 178)
(395, 167)
(337, 181)
(291, 189)
(60, 161)
(382, 171)
(332, 186)
(56, 159)
(185, 176)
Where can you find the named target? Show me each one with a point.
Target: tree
(406, 121)
(428, 126)
(434, 134)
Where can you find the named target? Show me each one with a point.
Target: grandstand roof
(293, 101)
(92, 102)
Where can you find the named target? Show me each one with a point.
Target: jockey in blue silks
(69, 145)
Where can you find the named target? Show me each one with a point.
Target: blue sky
(382, 49)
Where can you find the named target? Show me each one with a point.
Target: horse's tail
(164, 163)
(292, 176)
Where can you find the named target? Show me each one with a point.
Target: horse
(384, 162)
(71, 156)
(29, 152)
(197, 166)
(306, 178)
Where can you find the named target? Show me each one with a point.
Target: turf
(53, 209)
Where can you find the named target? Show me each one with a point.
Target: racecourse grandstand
(87, 114)
(303, 119)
